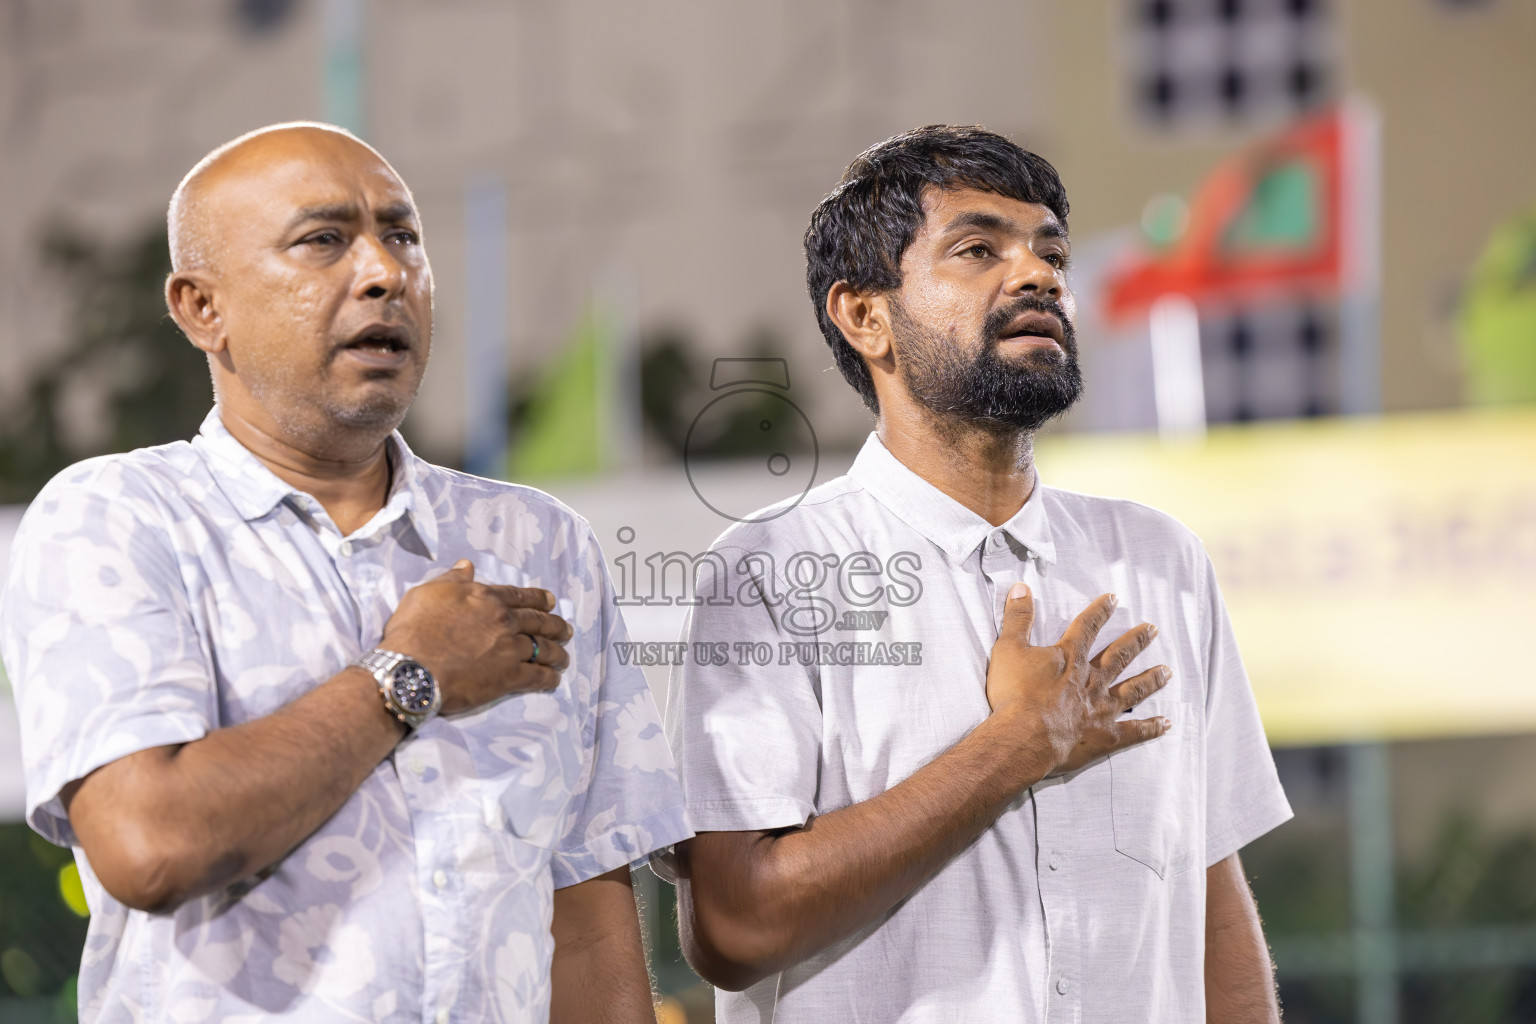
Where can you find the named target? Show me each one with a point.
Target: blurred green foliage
(674, 389)
(1498, 316)
(1319, 1001)
(1471, 875)
(1468, 875)
(670, 973)
(666, 952)
(1504, 996)
(1300, 876)
(40, 935)
(121, 345)
(560, 422)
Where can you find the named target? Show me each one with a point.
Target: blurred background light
(1164, 219)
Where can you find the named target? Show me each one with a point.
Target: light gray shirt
(156, 596)
(845, 646)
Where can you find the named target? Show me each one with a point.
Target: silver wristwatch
(409, 691)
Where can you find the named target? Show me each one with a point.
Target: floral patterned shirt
(155, 596)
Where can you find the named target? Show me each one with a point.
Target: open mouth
(1033, 326)
(381, 345)
(379, 341)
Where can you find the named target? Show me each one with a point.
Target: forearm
(1239, 978)
(607, 984)
(170, 823)
(598, 973)
(795, 893)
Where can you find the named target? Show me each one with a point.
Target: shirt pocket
(526, 765)
(1155, 791)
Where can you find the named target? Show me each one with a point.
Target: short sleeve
(745, 728)
(632, 804)
(1244, 798)
(97, 635)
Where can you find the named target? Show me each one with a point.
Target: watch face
(413, 687)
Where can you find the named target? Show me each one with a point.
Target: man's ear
(189, 295)
(864, 318)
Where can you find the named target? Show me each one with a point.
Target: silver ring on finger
(535, 655)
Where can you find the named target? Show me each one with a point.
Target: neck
(351, 482)
(990, 472)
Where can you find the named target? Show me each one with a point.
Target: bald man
(335, 734)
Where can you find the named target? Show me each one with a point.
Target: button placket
(996, 555)
(363, 568)
(1002, 569)
(1053, 823)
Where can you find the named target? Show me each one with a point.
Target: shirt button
(417, 768)
(440, 879)
(1062, 985)
(1055, 860)
(345, 549)
(442, 1016)
(998, 540)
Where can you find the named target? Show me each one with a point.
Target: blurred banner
(1380, 572)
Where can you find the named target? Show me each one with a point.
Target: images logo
(754, 389)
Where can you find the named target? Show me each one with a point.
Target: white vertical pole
(342, 34)
(486, 355)
(1372, 882)
(1178, 382)
(1360, 224)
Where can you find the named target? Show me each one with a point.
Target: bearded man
(1016, 821)
(230, 657)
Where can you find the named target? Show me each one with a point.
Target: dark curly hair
(860, 230)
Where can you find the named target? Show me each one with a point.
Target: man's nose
(1031, 275)
(380, 275)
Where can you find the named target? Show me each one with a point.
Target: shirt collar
(940, 518)
(255, 490)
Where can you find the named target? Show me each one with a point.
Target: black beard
(1022, 394)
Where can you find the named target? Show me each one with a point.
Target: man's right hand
(1072, 699)
(752, 903)
(476, 638)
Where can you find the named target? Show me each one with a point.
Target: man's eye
(978, 250)
(1056, 259)
(324, 238)
(403, 237)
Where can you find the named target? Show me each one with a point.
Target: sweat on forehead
(187, 227)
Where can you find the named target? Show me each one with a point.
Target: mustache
(998, 320)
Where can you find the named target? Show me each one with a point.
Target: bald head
(298, 268)
(193, 221)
